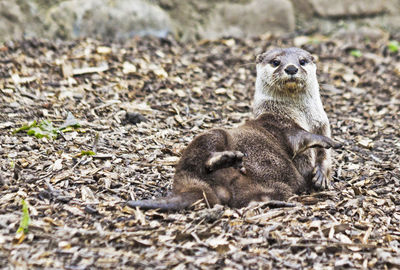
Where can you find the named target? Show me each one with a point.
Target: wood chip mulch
(139, 104)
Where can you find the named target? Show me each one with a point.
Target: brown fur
(296, 96)
(283, 152)
(253, 162)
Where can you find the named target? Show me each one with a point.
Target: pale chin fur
(305, 106)
(265, 90)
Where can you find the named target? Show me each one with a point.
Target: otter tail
(174, 202)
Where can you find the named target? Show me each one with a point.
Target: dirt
(138, 105)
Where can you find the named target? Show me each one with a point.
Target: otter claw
(319, 180)
(337, 145)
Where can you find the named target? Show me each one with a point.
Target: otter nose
(291, 69)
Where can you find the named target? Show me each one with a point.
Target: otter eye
(303, 62)
(275, 63)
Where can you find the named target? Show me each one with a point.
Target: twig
(205, 198)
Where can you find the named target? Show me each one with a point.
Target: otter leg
(195, 157)
(175, 202)
(321, 173)
(322, 169)
(192, 175)
(303, 140)
(225, 159)
(245, 191)
(313, 165)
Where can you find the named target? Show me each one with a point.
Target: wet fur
(253, 162)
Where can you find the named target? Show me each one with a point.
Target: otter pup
(253, 162)
(287, 85)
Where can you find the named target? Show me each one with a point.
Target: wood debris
(76, 201)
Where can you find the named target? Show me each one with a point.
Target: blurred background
(192, 19)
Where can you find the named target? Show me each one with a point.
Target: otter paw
(225, 159)
(329, 143)
(319, 180)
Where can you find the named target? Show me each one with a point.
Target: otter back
(253, 162)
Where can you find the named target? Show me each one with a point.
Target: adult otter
(278, 154)
(253, 162)
(287, 85)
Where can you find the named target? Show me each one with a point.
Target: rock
(188, 19)
(361, 34)
(19, 19)
(392, 7)
(119, 19)
(303, 9)
(246, 20)
(340, 8)
(133, 118)
(11, 21)
(188, 16)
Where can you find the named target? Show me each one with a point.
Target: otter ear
(260, 58)
(314, 58)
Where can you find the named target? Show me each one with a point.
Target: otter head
(285, 73)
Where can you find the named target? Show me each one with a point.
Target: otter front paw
(320, 180)
(225, 159)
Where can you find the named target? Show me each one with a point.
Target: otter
(284, 151)
(287, 84)
(253, 162)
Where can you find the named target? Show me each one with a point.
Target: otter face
(285, 72)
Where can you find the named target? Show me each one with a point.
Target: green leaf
(394, 46)
(70, 129)
(70, 122)
(356, 53)
(12, 164)
(26, 127)
(46, 129)
(87, 153)
(25, 219)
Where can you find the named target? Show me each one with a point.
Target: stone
(109, 20)
(192, 19)
(11, 21)
(303, 9)
(21, 19)
(393, 7)
(251, 19)
(361, 34)
(341, 8)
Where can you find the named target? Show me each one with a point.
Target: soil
(138, 105)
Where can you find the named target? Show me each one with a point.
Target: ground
(138, 105)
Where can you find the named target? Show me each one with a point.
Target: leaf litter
(140, 103)
(24, 224)
(46, 129)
